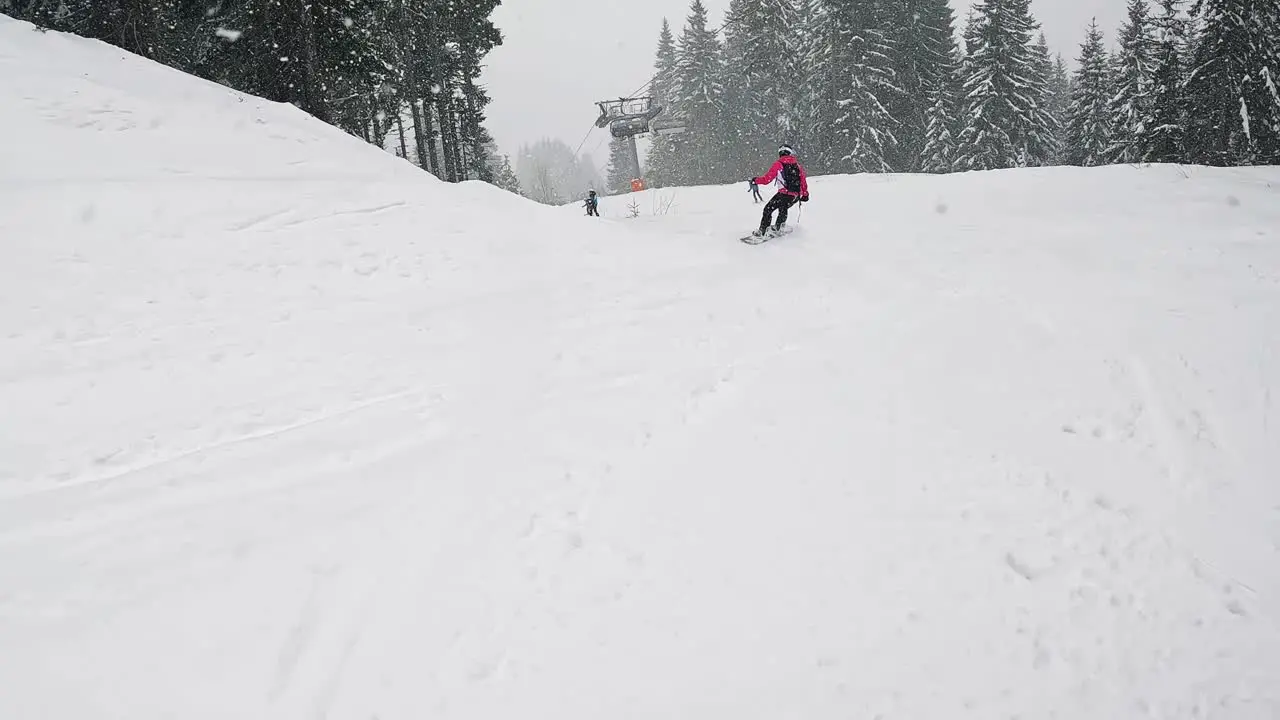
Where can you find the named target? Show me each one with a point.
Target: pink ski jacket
(777, 168)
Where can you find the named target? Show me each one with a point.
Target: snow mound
(289, 429)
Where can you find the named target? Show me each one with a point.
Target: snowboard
(767, 236)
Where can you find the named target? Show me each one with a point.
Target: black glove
(804, 197)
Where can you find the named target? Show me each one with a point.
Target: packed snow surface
(289, 429)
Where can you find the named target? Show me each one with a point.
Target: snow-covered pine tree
(506, 177)
(1059, 93)
(503, 176)
(151, 28)
(815, 100)
(620, 170)
(1047, 140)
(983, 141)
(946, 76)
(454, 39)
(1088, 121)
(862, 130)
(309, 54)
(356, 74)
(783, 17)
(939, 152)
(971, 33)
(925, 59)
(760, 70)
(477, 160)
(1163, 130)
(663, 85)
(413, 48)
(1234, 84)
(1133, 73)
(471, 36)
(796, 81)
(163, 30)
(662, 167)
(1004, 123)
(740, 112)
(700, 97)
(441, 100)
(896, 26)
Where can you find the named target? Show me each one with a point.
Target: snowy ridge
(289, 429)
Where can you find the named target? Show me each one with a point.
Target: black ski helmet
(785, 150)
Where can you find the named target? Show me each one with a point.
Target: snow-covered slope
(290, 430)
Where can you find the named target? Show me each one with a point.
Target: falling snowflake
(347, 22)
(228, 34)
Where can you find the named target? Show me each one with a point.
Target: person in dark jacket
(795, 188)
(592, 204)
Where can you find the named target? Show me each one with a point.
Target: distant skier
(755, 190)
(592, 204)
(795, 187)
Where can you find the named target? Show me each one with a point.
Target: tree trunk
(419, 135)
(447, 143)
(449, 138)
(471, 163)
(379, 125)
(459, 169)
(312, 100)
(431, 138)
(404, 151)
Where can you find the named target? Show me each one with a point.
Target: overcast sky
(560, 56)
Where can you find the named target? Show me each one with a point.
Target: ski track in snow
(289, 429)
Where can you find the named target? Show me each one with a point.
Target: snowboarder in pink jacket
(795, 188)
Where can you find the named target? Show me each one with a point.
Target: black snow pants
(781, 202)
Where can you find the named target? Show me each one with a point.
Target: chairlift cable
(636, 92)
(596, 149)
(584, 141)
